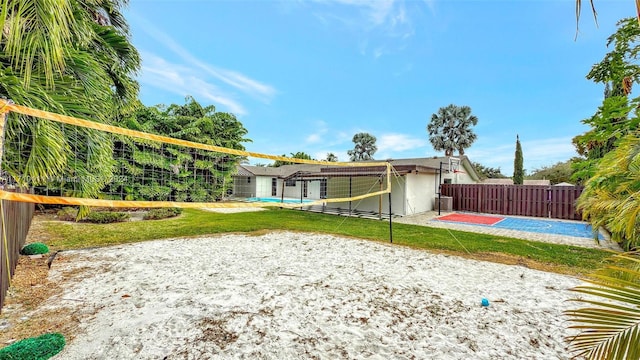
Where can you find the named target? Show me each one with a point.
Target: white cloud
(399, 142)
(387, 21)
(536, 153)
(313, 138)
(318, 133)
(182, 81)
(232, 78)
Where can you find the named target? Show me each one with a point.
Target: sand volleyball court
(305, 296)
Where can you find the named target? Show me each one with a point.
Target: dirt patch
(24, 313)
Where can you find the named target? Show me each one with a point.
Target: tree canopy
(331, 157)
(556, 173)
(365, 147)
(488, 172)
(615, 118)
(72, 58)
(297, 155)
(450, 129)
(176, 173)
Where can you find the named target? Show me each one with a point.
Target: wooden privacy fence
(556, 202)
(17, 219)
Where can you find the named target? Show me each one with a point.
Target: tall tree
(618, 71)
(557, 173)
(518, 169)
(168, 172)
(610, 199)
(332, 157)
(450, 129)
(488, 172)
(365, 147)
(610, 320)
(73, 58)
(297, 155)
(595, 14)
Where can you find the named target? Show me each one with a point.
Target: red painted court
(471, 219)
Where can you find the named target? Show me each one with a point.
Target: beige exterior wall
(421, 192)
(293, 192)
(460, 177)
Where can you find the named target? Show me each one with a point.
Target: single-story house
(414, 183)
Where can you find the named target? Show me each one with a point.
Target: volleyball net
(71, 161)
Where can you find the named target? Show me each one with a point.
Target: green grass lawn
(193, 223)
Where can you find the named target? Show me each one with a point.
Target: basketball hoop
(454, 165)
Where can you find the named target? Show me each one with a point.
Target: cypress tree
(518, 171)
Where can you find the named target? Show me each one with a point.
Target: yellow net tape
(385, 170)
(164, 139)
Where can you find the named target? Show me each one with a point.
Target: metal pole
(439, 187)
(350, 178)
(390, 221)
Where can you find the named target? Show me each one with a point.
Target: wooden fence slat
(557, 202)
(17, 220)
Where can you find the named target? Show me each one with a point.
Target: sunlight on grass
(195, 223)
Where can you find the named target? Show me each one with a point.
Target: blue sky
(308, 75)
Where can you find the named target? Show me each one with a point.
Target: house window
(447, 181)
(290, 182)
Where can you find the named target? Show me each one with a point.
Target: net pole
(439, 187)
(389, 189)
(390, 221)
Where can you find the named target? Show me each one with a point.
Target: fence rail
(17, 220)
(556, 202)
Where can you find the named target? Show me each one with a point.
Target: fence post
(4, 114)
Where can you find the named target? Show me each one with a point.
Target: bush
(35, 249)
(38, 348)
(67, 214)
(162, 213)
(106, 217)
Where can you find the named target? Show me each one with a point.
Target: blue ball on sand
(485, 302)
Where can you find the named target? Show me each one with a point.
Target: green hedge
(162, 213)
(106, 217)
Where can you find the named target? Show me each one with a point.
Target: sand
(290, 295)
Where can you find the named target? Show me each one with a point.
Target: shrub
(35, 249)
(106, 217)
(67, 214)
(37, 348)
(162, 213)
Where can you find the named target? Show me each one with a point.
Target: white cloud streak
(232, 78)
(182, 81)
(536, 153)
(388, 18)
(399, 143)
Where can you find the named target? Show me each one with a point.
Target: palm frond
(609, 324)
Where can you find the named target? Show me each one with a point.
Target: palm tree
(610, 324)
(450, 129)
(365, 147)
(611, 198)
(73, 58)
(595, 14)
